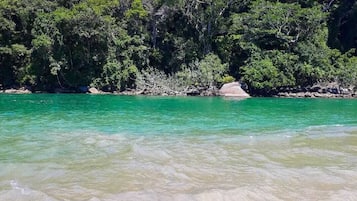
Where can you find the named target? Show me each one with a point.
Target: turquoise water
(87, 147)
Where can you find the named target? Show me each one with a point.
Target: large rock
(233, 89)
(93, 90)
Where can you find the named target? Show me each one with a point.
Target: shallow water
(83, 147)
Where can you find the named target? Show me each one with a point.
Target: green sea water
(106, 147)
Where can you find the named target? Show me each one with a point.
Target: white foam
(20, 193)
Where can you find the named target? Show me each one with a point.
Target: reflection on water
(317, 163)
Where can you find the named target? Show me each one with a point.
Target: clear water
(85, 147)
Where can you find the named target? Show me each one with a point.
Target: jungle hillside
(118, 45)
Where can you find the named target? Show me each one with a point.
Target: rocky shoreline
(234, 89)
(313, 95)
(329, 90)
(16, 91)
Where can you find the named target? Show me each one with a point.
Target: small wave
(336, 130)
(21, 193)
(238, 194)
(83, 165)
(16, 186)
(29, 196)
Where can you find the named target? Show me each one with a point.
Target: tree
(343, 32)
(111, 44)
(207, 73)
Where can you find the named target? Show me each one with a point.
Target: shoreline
(315, 95)
(326, 95)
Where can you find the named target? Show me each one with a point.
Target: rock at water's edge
(17, 91)
(233, 89)
(320, 90)
(93, 90)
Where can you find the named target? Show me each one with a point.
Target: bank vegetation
(178, 47)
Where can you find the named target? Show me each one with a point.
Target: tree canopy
(114, 44)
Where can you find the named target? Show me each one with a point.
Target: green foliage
(264, 76)
(345, 71)
(137, 10)
(227, 79)
(208, 72)
(13, 64)
(42, 41)
(275, 25)
(116, 75)
(114, 45)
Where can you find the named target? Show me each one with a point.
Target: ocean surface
(105, 147)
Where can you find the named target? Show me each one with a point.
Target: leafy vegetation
(116, 45)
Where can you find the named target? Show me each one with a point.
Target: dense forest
(115, 45)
